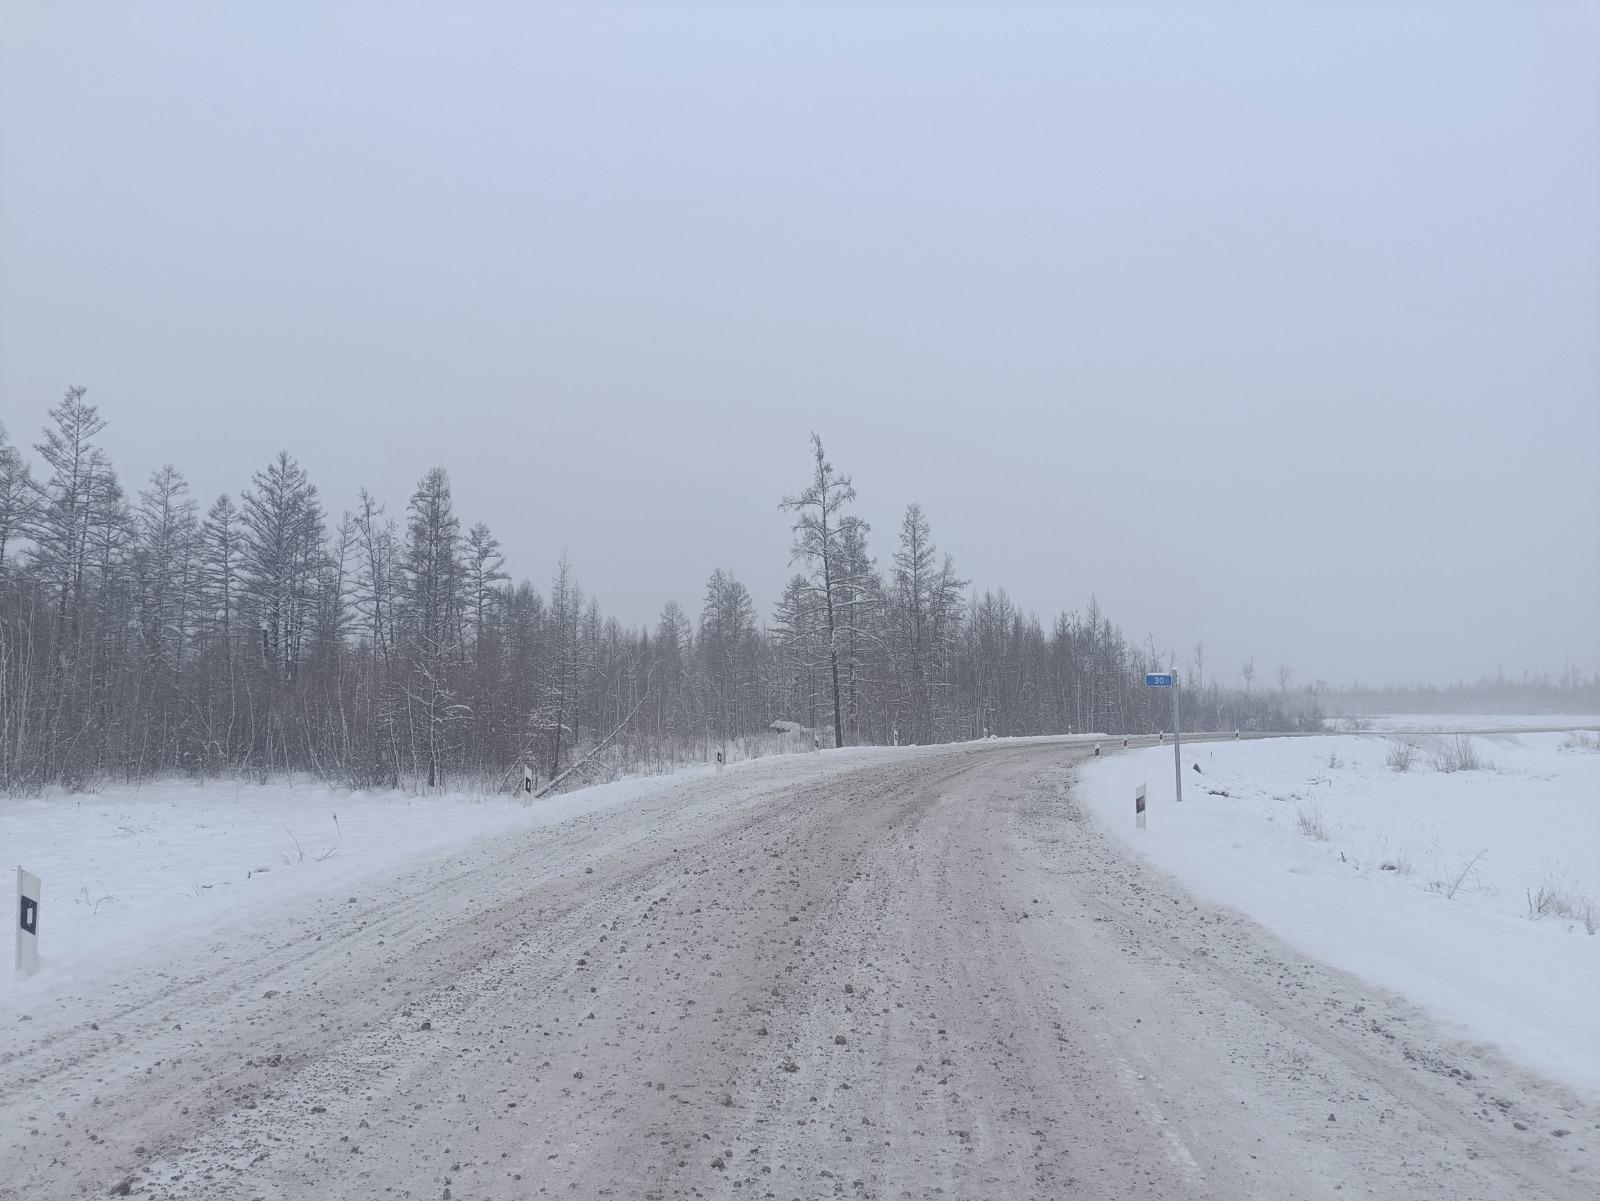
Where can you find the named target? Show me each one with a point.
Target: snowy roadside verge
(1379, 872)
(129, 869)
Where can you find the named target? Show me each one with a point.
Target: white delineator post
(1138, 806)
(27, 922)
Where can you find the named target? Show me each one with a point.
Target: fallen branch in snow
(599, 746)
(88, 899)
(1466, 869)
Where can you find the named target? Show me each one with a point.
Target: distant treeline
(264, 634)
(1571, 692)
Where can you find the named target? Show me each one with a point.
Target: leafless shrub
(1557, 897)
(1401, 756)
(1458, 754)
(85, 781)
(1547, 902)
(1581, 740)
(1308, 819)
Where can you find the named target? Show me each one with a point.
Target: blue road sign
(1160, 679)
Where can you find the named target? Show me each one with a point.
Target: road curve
(915, 974)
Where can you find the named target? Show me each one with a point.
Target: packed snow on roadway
(131, 871)
(1463, 872)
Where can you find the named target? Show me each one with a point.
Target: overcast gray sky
(1270, 324)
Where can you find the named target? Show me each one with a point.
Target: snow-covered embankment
(1474, 892)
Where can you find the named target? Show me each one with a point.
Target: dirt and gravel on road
(917, 974)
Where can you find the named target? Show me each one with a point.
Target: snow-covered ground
(128, 869)
(1426, 881)
(923, 971)
(1381, 722)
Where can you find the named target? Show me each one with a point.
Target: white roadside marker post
(1138, 806)
(27, 922)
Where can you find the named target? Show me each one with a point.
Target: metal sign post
(1177, 738)
(1169, 679)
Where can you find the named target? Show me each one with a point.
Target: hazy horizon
(1274, 328)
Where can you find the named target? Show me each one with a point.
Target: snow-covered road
(909, 974)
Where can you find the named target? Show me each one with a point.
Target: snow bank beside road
(1323, 843)
(125, 868)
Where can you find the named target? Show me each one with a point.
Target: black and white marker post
(27, 922)
(1169, 679)
(1138, 807)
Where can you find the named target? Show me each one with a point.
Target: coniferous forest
(145, 631)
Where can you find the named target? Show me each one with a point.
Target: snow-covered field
(1382, 722)
(1474, 893)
